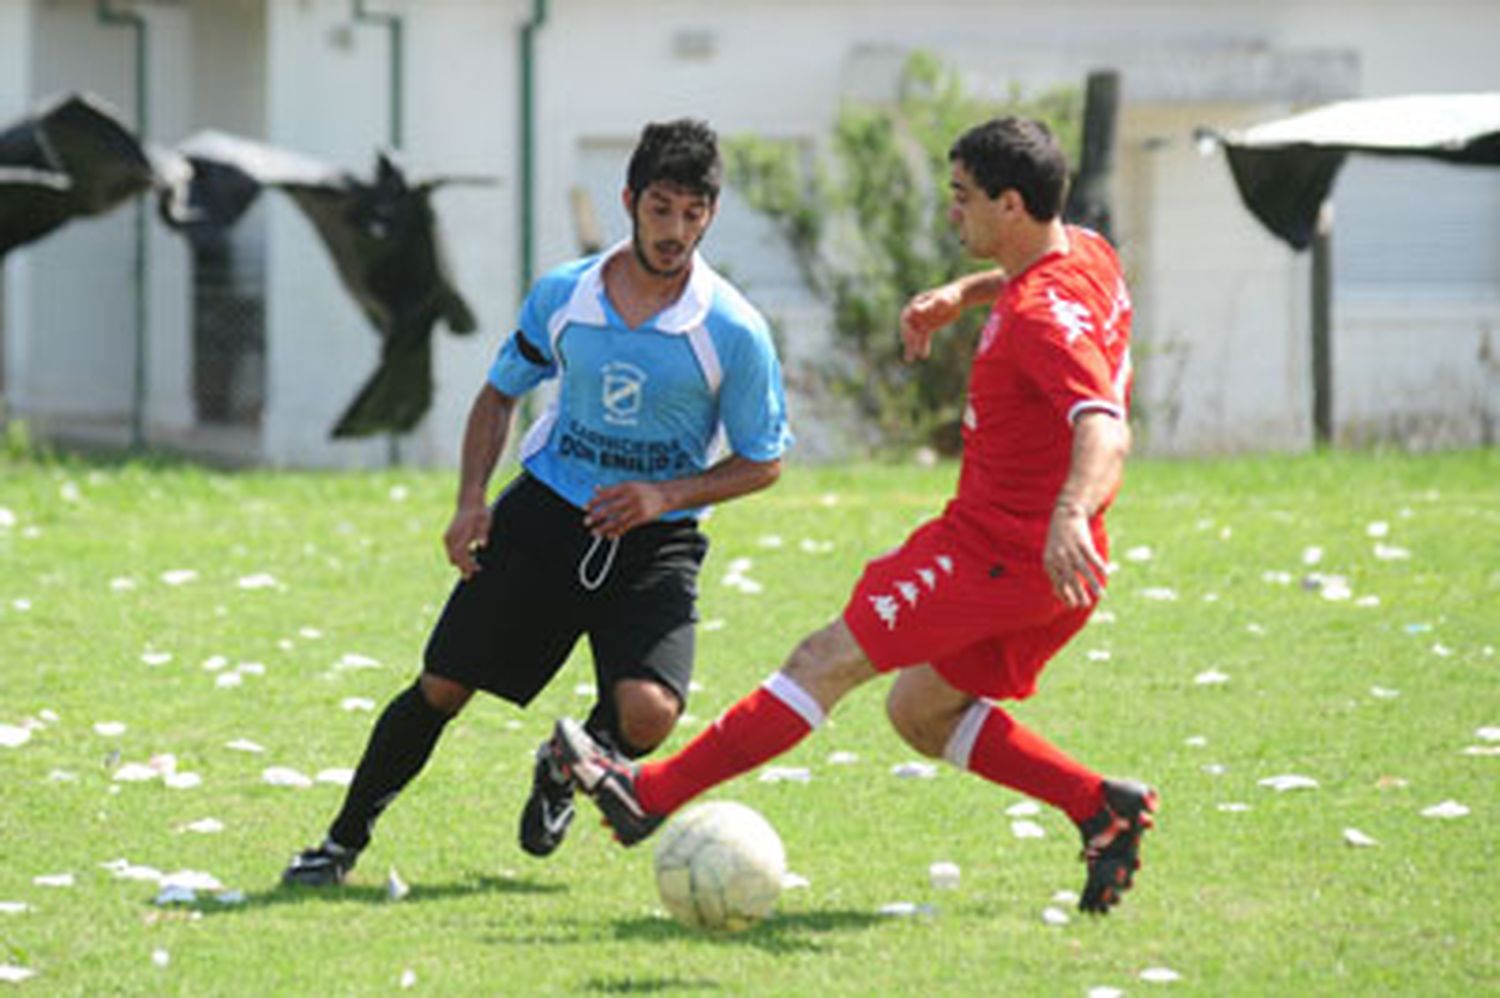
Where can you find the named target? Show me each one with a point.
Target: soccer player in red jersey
(971, 607)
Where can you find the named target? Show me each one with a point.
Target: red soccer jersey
(1056, 345)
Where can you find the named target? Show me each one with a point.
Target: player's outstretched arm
(484, 440)
(931, 310)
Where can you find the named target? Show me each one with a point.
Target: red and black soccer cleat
(1112, 843)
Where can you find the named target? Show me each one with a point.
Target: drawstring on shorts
(592, 584)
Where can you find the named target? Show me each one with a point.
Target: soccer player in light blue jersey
(657, 359)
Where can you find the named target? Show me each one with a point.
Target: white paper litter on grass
(109, 729)
(7, 518)
(125, 870)
(1027, 830)
(1482, 750)
(175, 894)
(1105, 992)
(14, 908)
(408, 978)
(785, 774)
(712, 624)
(1024, 809)
(203, 826)
(354, 660)
(14, 735)
(1336, 589)
(810, 546)
(339, 776)
(1160, 975)
(310, 633)
(1378, 528)
(260, 580)
(1195, 741)
(154, 658)
(1160, 594)
(770, 541)
(357, 704)
(121, 584)
(1212, 677)
(1289, 781)
(584, 689)
(395, 887)
(1390, 552)
(842, 758)
(1065, 897)
(1233, 807)
(794, 881)
(1487, 734)
(914, 770)
(944, 875)
(905, 909)
(1357, 838)
(1141, 553)
(1312, 555)
(285, 776)
(182, 781)
(1447, 809)
(1055, 916)
(195, 879)
(54, 880)
(1099, 655)
(243, 745)
(1384, 693)
(136, 772)
(179, 576)
(1278, 578)
(12, 974)
(229, 680)
(160, 957)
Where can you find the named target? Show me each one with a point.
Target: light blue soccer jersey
(642, 404)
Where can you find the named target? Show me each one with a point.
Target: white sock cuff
(785, 688)
(961, 743)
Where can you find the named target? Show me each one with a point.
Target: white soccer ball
(719, 866)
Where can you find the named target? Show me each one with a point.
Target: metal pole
(528, 142)
(140, 382)
(1322, 326)
(395, 125)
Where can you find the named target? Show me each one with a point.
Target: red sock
(992, 744)
(763, 725)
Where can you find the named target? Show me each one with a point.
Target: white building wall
(1222, 316)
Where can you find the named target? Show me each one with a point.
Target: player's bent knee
(444, 694)
(915, 729)
(647, 712)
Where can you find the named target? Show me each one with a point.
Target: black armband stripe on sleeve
(530, 352)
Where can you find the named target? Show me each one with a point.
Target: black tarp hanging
(1285, 169)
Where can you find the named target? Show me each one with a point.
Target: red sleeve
(1057, 353)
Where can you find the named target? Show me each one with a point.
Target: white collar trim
(682, 316)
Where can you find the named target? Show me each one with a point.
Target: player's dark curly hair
(1018, 153)
(684, 152)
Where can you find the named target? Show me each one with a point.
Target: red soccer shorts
(984, 616)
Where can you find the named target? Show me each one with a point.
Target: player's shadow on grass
(788, 933)
(373, 894)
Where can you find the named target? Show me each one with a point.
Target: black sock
(400, 744)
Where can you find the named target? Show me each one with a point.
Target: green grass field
(1382, 688)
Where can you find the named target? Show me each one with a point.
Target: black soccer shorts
(544, 581)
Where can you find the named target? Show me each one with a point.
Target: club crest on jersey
(622, 388)
(1073, 317)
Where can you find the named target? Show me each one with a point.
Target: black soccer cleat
(606, 776)
(549, 809)
(1112, 843)
(325, 865)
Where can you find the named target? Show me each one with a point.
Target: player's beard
(645, 261)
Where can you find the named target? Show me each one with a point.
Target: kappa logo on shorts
(621, 391)
(888, 608)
